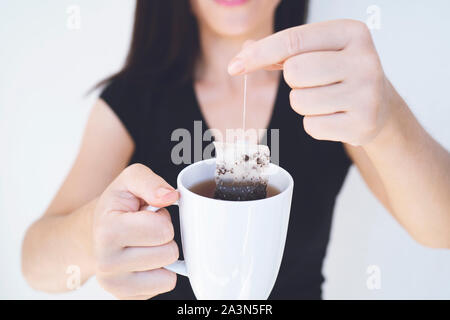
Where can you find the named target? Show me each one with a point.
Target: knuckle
(105, 283)
(308, 126)
(163, 281)
(164, 213)
(166, 231)
(289, 72)
(292, 98)
(312, 128)
(136, 166)
(295, 101)
(115, 287)
(294, 41)
(171, 281)
(131, 168)
(134, 169)
(173, 252)
(358, 29)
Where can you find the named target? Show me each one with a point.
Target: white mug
(232, 249)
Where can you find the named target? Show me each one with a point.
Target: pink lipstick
(231, 3)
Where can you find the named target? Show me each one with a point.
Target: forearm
(55, 242)
(415, 171)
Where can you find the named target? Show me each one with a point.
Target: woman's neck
(216, 51)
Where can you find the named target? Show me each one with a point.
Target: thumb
(144, 184)
(247, 43)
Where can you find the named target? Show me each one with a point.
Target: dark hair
(165, 39)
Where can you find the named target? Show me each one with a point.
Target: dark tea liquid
(208, 187)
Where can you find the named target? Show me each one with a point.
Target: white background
(46, 69)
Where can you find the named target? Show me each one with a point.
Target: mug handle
(178, 266)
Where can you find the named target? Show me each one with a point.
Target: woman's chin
(234, 33)
(232, 29)
(234, 18)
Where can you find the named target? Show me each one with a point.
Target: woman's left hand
(335, 74)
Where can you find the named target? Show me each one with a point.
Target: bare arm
(339, 86)
(411, 173)
(63, 235)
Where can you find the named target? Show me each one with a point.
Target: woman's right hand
(132, 245)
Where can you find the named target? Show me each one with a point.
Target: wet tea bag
(241, 171)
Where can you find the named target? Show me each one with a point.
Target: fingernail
(236, 66)
(162, 192)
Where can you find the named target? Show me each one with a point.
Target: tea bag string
(245, 105)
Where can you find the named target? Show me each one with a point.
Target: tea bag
(241, 171)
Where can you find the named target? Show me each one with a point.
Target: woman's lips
(231, 2)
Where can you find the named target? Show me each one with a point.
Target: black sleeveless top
(151, 114)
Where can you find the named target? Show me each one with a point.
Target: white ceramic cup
(232, 249)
